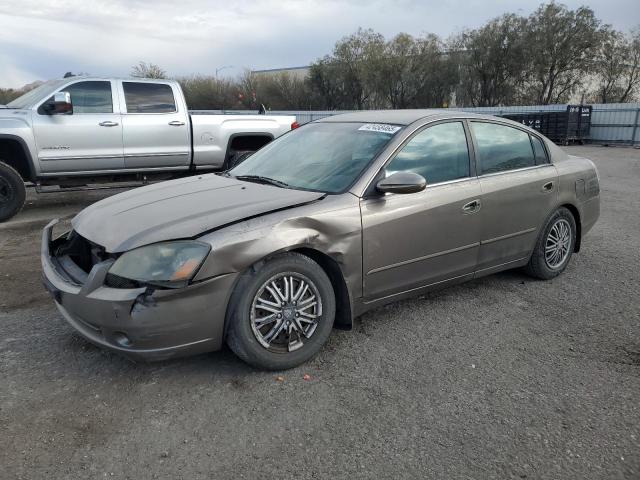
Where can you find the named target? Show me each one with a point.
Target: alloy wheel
(285, 312)
(558, 244)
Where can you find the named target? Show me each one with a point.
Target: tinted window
(148, 97)
(539, 151)
(90, 97)
(438, 153)
(502, 148)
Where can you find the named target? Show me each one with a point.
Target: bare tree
(9, 94)
(147, 70)
(617, 68)
(209, 93)
(284, 91)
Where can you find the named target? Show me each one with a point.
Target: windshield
(326, 157)
(32, 97)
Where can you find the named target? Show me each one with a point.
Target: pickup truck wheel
(12, 192)
(281, 312)
(554, 246)
(236, 158)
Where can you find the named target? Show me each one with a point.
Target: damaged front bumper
(141, 323)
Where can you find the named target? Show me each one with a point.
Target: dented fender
(331, 226)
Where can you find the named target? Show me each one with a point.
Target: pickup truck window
(148, 97)
(91, 97)
(88, 97)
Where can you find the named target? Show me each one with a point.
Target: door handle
(176, 123)
(108, 123)
(472, 207)
(547, 187)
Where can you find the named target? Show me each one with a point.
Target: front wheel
(281, 312)
(12, 192)
(554, 246)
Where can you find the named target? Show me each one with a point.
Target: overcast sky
(42, 39)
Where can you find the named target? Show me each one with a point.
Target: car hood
(177, 209)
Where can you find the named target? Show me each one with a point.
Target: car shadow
(87, 357)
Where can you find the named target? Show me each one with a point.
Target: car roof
(399, 117)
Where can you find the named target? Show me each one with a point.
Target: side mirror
(402, 182)
(60, 105)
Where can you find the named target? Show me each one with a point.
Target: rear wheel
(281, 312)
(554, 246)
(12, 192)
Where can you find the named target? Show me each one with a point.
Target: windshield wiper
(261, 179)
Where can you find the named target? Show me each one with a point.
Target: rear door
(519, 190)
(419, 239)
(89, 139)
(155, 126)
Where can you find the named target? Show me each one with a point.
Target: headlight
(170, 264)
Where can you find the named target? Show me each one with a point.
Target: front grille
(114, 281)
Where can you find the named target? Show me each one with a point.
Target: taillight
(294, 125)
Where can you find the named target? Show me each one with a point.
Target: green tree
(491, 62)
(560, 47)
(412, 72)
(346, 78)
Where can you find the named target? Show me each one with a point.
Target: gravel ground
(503, 377)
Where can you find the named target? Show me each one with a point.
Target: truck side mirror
(59, 104)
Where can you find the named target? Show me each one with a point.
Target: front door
(420, 239)
(89, 139)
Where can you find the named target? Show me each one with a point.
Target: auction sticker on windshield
(379, 127)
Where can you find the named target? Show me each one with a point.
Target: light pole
(218, 70)
(222, 68)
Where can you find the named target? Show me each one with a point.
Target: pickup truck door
(155, 125)
(89, 139)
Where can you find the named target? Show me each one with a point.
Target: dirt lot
(503, 377)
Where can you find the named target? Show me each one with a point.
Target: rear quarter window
(539, 151)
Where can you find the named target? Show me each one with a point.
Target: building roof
(284, 69)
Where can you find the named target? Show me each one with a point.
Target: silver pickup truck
(71, 133)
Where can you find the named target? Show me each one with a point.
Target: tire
(560, 224)
(286, 350)
(236, 158)
(12, 192)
